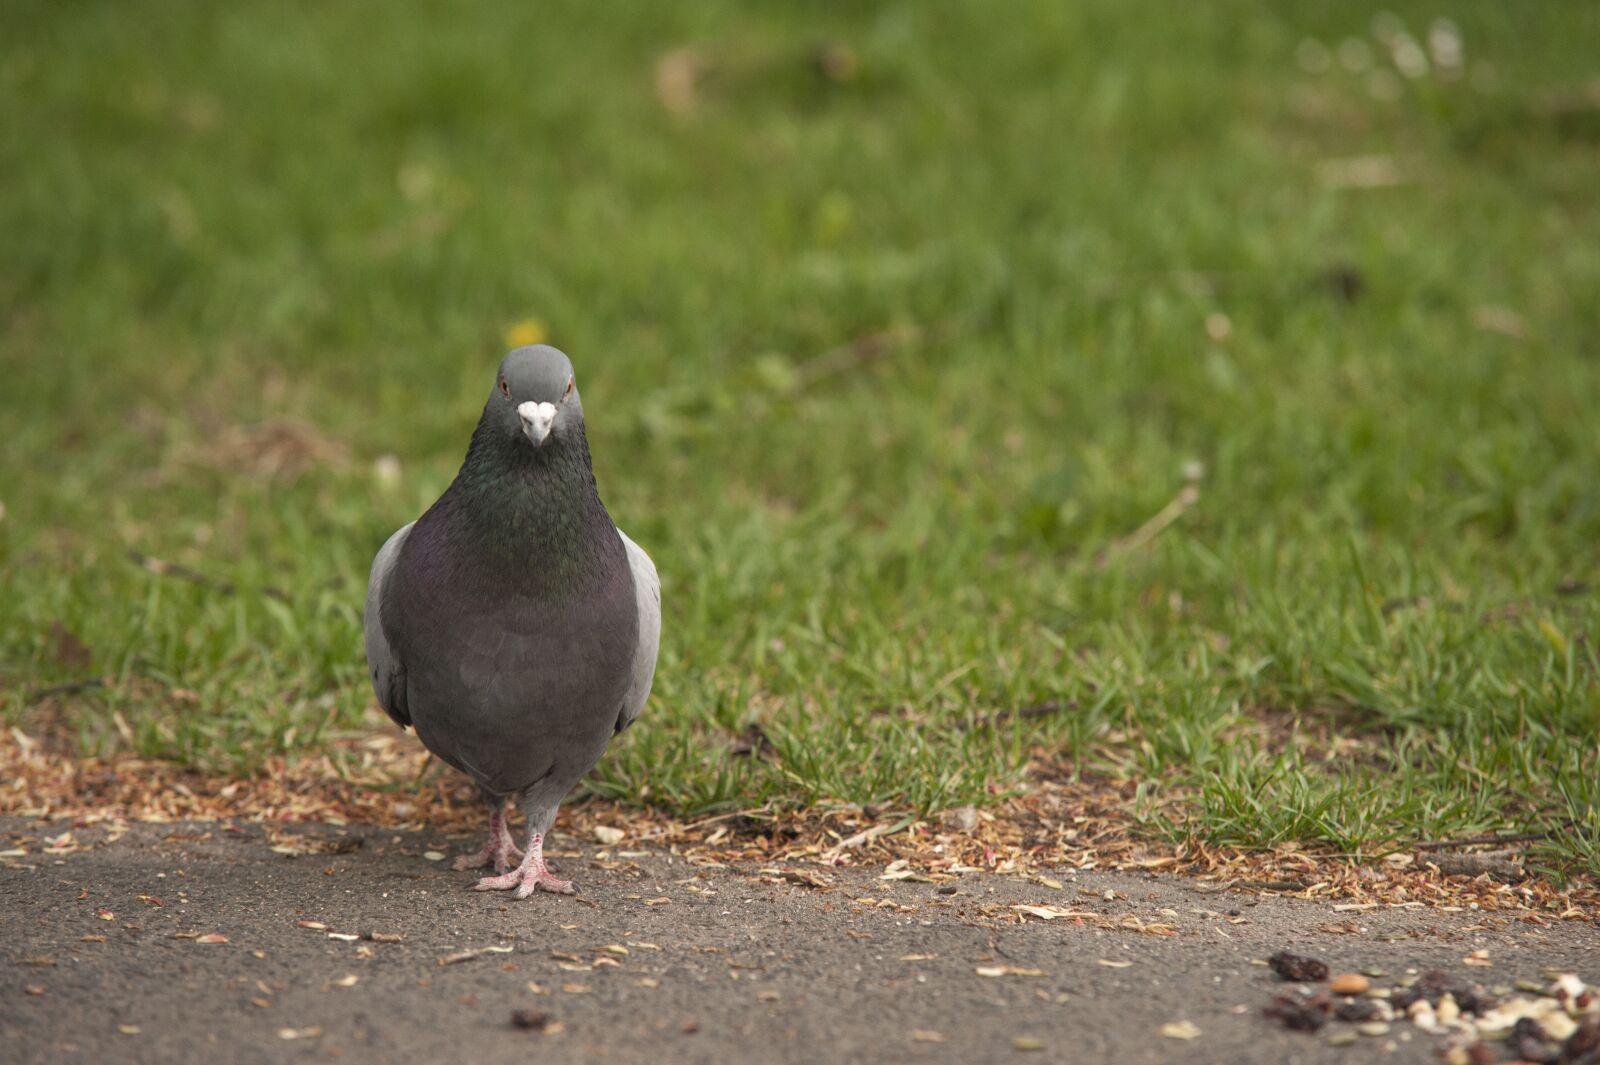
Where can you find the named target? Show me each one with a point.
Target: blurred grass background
(1229, 373)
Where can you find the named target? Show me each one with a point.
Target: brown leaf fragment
(211, 937)
(92, 939)
(576, 989)
(1297, 968)
(105, 914)
(1502, 320)
(1304, 1013)
(69, 650)
(807, 878)
(34, 989)
(37, 962)
(458, 956)
(926, 1035)
(676, 76)
(262, 1003)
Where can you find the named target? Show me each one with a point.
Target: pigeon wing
(388, 674)
(647, 591)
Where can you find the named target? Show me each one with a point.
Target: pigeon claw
(526, 882)
(547, 882)
(499, 883)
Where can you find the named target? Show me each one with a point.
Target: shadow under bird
(513, 625)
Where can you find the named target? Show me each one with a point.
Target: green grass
(249, 250)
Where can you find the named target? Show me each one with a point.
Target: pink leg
(532, 875)
(500, 850)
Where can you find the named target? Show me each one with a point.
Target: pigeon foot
(500, 854)
(499, 851)
(532, 875)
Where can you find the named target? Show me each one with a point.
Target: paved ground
(720, 965)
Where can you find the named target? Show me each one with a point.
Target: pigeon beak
(537, 418)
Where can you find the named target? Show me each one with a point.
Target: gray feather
(647, 592)
(388, 679)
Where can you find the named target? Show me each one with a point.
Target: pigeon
(513, 626)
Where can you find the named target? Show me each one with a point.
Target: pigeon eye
(568, 393)
(505, 389)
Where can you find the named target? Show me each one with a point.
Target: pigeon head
(536, 393)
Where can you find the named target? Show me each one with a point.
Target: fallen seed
(1373, 1028)
(1349, 984)
(1342, 1038)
